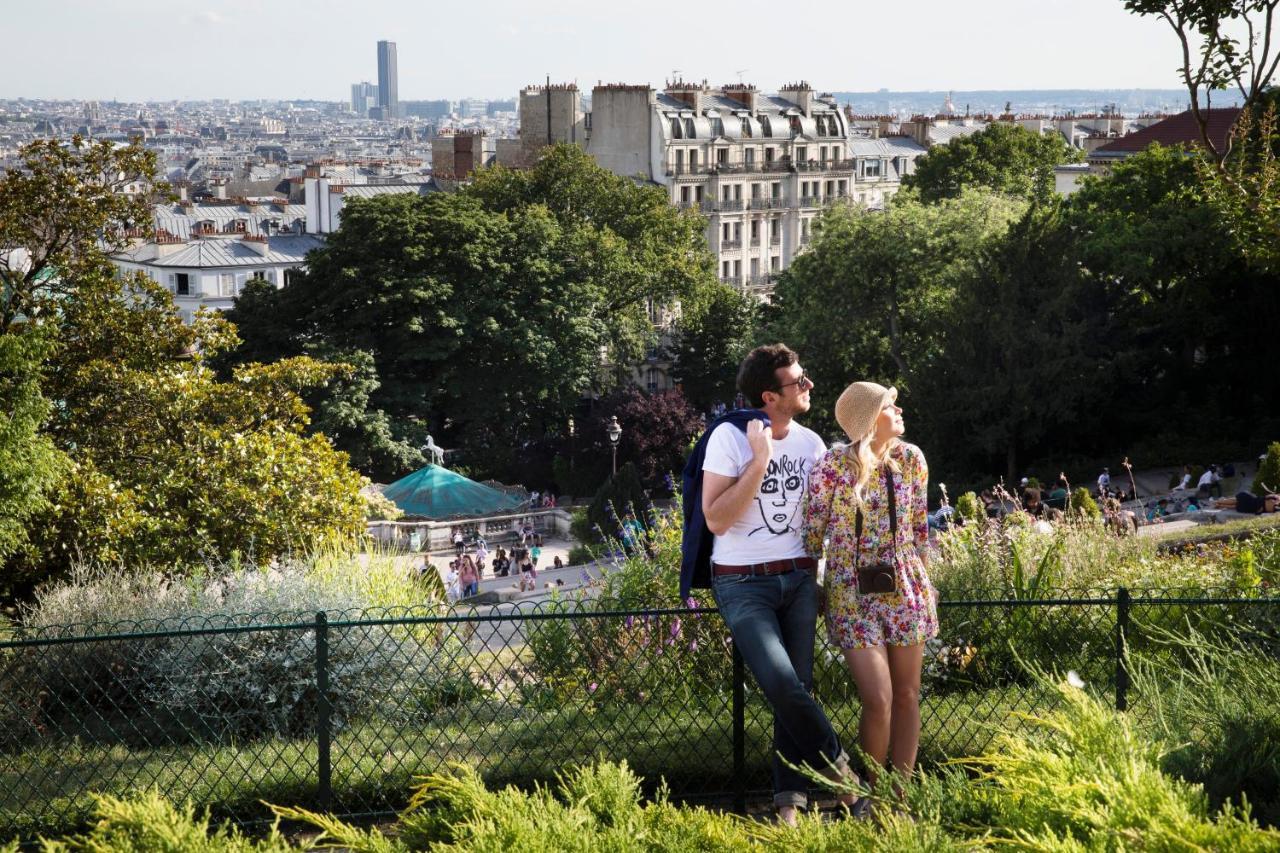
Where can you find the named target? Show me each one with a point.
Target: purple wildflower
(693, 646)
(592, 687)
(675, 628)
(629, 621)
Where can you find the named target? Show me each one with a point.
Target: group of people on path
(462, 580)
(765, 498)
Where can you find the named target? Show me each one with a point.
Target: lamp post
(614, 431)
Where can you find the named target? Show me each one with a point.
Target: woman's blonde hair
(865, 462)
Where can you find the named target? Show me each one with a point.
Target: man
(752, 479)
(1210, 483)
(1104, 483)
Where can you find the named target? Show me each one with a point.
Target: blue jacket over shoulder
(695, 550)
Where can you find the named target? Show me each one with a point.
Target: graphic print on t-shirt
(779, 498)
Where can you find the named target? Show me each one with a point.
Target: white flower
(1074, 679)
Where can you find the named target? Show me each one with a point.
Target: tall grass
(1022, 560)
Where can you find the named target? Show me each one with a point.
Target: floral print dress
(907, 617)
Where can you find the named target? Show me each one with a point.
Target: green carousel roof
(435, 492)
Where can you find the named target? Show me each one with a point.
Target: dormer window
(766, 128)
(746, 128)
(676, 132)
(689, 132)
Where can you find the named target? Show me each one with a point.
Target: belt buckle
(758, 569)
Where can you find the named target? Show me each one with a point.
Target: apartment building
(760, 167)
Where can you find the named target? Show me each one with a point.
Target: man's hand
(760, 438)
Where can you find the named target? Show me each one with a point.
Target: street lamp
(614, 431)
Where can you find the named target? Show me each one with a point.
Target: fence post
(739, 733)
(324, 763)
(1122, 640)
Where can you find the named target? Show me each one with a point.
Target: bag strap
(893, 519)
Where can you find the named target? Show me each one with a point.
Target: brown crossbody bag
(878, 578)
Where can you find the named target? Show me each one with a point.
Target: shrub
(1082, 504)
(580, 527)
(1078, 778)
(636, 659)
(379, 507)
(218, 686)
(148, 821)
(621, 496)
(1268, 477)
(969, 508)
(1221, 710)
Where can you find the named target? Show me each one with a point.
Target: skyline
(142, 50)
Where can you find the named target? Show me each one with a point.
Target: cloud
(209, 16)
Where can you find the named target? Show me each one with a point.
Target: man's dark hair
(757, 372)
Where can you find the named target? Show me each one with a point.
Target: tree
(1024, 358)
(342, 413)
(1003, 158)
(1225, 45)
(63, 206)
(713, 334)
(30, 465)
(486, 312)
(870, 297)
(658, 427)
(1194, 317)
(169, 466)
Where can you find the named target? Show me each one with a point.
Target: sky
(137, 50)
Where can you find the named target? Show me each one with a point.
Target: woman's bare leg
(871, 673)
(904, 668)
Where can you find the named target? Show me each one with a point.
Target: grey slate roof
(942, 134)
(885, 146)
(371, 190)
(219, 253)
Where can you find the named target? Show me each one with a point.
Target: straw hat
(859, 406)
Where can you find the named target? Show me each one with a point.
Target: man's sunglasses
(803, 382)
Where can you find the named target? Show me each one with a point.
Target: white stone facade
(759, 167)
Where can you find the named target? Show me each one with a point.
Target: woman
(468, 578)
(881, 607)
(528, 574)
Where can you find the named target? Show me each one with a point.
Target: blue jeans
(772, 619)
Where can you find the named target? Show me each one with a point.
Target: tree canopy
(1003, 158)
(869, 299)
(120, 445)
(486, 312)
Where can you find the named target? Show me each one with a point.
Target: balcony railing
(755, 241)
(825, 166)
(681, 170)
(804, 239)
(728, 205)
(810, 201)
(727, 245)
(775, 240)
(760, 203)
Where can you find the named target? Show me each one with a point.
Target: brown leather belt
(773, 567)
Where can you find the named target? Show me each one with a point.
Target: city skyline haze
(146, 50)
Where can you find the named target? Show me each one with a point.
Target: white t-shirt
(1208, 478)
(770, 528)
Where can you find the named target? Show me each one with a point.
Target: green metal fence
(340, 711)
